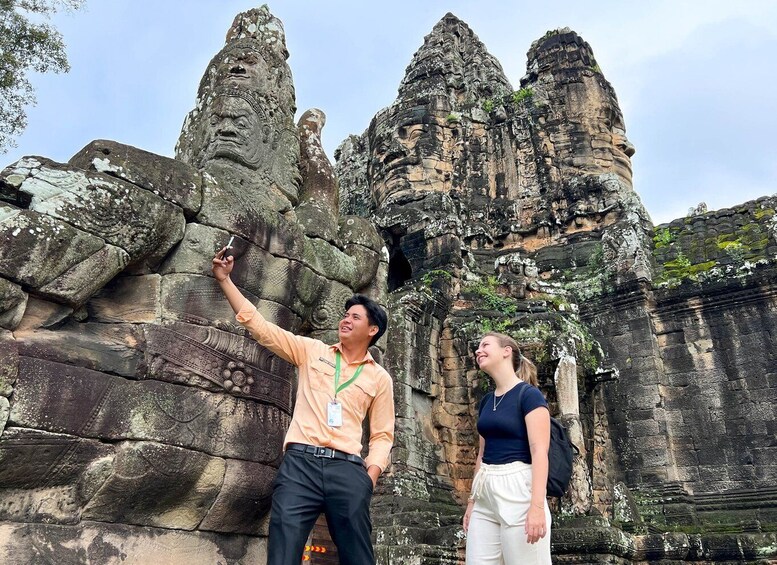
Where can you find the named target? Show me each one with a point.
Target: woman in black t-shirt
(507, 519)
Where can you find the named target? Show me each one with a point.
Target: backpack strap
(520, 399)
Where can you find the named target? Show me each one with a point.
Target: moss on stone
(522, 94)
(486, 291)
(430, 277)
(693, 249)
(663, 237)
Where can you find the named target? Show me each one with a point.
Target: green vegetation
(733, 253)
(556, 300)
(550, 33)
(733, 249)
(522, 94)
(27, 43)
(593, 280)
(681, 262)
(546, 334)
(681, 268)
(488, 105)
(434, 275)
(596, 260)
(453, 118)
(487, 292)
(595, 68)
(663, 237)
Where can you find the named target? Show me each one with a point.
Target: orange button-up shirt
(371, 393)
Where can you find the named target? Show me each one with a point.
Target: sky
(696, 79)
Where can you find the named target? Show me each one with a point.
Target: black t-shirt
(504, 429)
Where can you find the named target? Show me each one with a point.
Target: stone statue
(483, 193)
(135, 399)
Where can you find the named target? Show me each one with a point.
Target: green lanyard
(338, 386)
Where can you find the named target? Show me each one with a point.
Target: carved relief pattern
(269, 383)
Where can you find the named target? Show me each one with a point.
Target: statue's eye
(415, 134)
(242, 123)
(214, 120)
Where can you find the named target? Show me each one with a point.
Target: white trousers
(496, 534)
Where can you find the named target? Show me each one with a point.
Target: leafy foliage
(522, 94)
(663, 237)
(436, 274)
(486, 291)
(26, 44)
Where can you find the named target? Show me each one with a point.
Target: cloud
(706, 111)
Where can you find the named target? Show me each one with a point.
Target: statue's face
(235, 131)
(602, 128)
(412, 152)
(244, 69)
(622, 148)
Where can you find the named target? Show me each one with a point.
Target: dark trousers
(305, 487)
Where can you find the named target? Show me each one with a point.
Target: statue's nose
(237, 70)
(226, 131)
(626, 146)
(395, 150)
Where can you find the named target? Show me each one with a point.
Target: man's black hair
(376, 315)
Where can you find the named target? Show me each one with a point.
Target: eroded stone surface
(128, 299)
(9, 362)
(126, 545)
(78, 401)
(218, 361)
(243, 500)
(122, 214)
(4, 411)
(198, 300)
(13, 301)
(171, 179)
(47, 476)
(139, 489)
(36, 248)
(110, 348)
(76, 285)
(318, 209)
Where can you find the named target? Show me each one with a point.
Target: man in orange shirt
(321, 470)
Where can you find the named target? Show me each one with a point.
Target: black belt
(325, 452)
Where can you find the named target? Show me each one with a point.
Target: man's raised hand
(222, 266)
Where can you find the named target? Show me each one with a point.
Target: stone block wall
(722, 244)
(692, 414)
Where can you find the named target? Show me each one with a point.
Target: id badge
(334, 414)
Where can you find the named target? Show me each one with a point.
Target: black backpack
(560, 455)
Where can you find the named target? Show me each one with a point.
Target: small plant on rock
(522, 94)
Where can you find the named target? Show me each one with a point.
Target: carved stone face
(236, 131)
(599, 130)
(622, 148)
(243, 68)
(412, 152)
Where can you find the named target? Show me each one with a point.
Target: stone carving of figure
(128, 394)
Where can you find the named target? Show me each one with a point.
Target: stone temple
(141, 425)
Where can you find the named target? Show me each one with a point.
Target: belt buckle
(322, 452)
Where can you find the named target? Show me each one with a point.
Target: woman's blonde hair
(525, 369)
